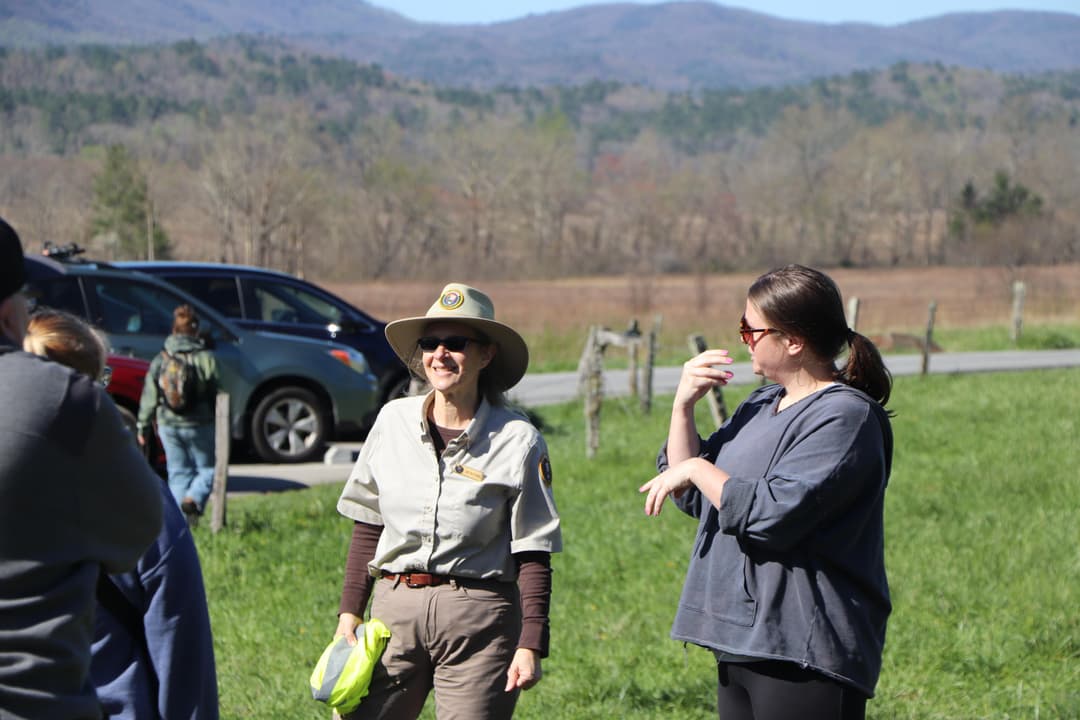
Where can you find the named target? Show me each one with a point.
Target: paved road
(548, 388)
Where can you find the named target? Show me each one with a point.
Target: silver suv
(261, 299)
(289, 395)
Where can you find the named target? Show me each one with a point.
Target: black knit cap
(12, 270)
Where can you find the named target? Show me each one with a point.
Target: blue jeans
(189, 460)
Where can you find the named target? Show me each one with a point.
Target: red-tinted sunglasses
(746, 333)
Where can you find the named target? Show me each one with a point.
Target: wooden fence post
(591, 373)
(853, 313)
(1019, 291)
(650, 362)
(929, 341)
(717, 406)
(632, 340)
(591, 382)
(222, 440)
(585, 361)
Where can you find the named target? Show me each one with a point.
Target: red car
(125, 388)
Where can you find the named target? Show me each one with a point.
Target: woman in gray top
(786, 582)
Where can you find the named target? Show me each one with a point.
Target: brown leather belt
(417, 579)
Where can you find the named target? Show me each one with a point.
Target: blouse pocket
(717, 582)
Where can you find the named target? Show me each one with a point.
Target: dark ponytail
(865, 370)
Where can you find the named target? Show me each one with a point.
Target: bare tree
(473, 165)
(640, 211)
(384, 224)
(803, 146)
(548, 184)
(256, 184)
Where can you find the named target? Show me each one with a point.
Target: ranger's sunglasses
(453, 343)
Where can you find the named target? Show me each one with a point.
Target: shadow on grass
(254, 484)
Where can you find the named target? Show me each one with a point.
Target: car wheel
(289, 426)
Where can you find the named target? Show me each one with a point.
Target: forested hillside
(683, 45)
(246, 150)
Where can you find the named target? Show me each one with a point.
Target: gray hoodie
(75, 495)
(792, 565)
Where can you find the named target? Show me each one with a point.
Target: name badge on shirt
(471, 473)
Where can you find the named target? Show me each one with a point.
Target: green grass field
(983, 554)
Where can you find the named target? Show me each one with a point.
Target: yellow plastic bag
(342, 675)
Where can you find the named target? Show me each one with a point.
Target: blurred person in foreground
(454, 523)
(153, 653)
(186, 434)
(75, 496)
(786, 583)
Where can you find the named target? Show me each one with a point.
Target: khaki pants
(457, 638)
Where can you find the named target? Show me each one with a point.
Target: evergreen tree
(123, 209)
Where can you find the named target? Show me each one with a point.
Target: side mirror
(346, 326)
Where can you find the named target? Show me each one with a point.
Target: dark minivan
(268, 300)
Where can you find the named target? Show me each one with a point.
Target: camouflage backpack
(178, 381)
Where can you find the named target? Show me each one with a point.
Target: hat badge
(452, 299)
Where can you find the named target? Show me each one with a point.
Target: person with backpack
(180, 393)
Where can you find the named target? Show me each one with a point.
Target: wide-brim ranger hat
(467, 306)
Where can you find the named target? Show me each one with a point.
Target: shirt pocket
(478, 510)
(719, 586)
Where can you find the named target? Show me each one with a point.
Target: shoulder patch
(545, 470)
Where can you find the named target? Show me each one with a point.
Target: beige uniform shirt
(464, 513)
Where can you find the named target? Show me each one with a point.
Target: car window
(220, 293)
(279, 303)
(62, 293)
(131, 308)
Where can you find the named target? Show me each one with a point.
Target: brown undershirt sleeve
(534, 586)
(356, 588)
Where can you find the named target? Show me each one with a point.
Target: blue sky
(831, 11)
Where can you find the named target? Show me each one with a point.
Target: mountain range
(672, 46)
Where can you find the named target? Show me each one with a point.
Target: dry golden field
(890, 300)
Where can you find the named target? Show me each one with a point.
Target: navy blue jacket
(792, 565)
(167, 589)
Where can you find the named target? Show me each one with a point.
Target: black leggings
(774, 690)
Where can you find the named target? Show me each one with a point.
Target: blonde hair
(66, 339)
